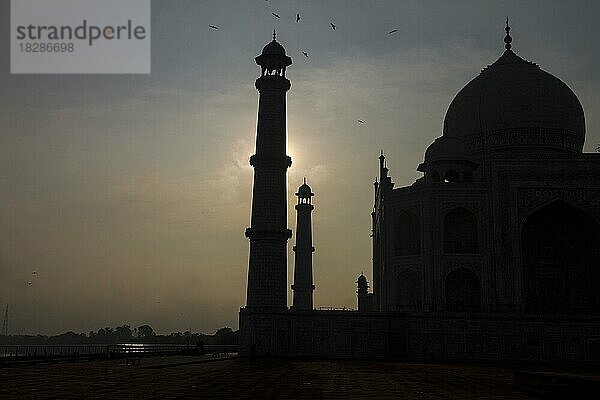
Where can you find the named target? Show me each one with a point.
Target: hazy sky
(129, 194)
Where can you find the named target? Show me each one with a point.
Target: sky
(129, 194)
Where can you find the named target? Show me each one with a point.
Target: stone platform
(176, 377)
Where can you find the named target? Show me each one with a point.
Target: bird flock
(35, 274)
(304, 52)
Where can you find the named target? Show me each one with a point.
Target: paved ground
(162, 378)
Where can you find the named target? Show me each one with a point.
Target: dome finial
(507, 38)
(274, 35)
(305, 180)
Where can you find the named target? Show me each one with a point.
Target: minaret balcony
(283, 234)
(270, 161)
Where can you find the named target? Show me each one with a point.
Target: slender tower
(268, 232)
(303, 274)
(5, 323)
(362, 291)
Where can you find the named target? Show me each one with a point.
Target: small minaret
(365, 299)
(268, 231)
(303, 275)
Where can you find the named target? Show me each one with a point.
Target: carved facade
(506, 218)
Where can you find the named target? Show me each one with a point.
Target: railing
(147, 349)
(9, 353)
(28, 352)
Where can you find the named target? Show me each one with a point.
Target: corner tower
(303, 274)
(268, 232)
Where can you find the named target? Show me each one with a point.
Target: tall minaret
(303, 275)
(268, 232)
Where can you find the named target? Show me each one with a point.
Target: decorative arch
(408, 291)
(560, 252)
(460, 232)
(468, 176)
(463, 291)
(407, 234)
(451, 176)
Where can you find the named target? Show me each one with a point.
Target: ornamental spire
(507, 38)
(274, 35)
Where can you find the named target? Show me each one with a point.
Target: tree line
(124, 334)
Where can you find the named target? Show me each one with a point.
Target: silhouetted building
(494, 253)
(505, 218)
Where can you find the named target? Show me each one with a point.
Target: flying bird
(29, 283)
(213, 27)
(392, 31)
(297, 17)
(305, 54)
(332, 25)
(361, 121)
(275, 15)
(34, 273)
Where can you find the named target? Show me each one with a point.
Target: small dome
(514, 103)
(446, 148)
(273, 58)
(361, 280)
(305, 191)
(273, 49)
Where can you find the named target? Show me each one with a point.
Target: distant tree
(224, 331)
(145, 332)
(66, 338)
(105, 333)
(123, 333)
(225, 336)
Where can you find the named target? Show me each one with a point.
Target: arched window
(560, 247)
(463, 292)
(408, 291)
(460, 232)
(468, 176)
(450, 176)
(407, 234)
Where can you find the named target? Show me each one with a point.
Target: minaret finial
(274, 35)
(507, 38)
(305, 180)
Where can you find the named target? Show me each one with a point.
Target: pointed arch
(463, 291)
(560, 253)
(451, 176)
(460, 232)
(408, 291)
(407, 233)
